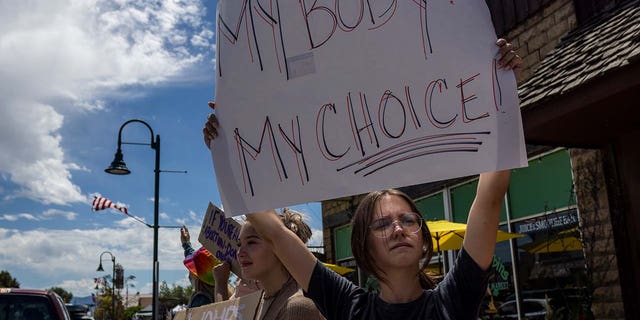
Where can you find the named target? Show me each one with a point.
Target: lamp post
(118, 167)
(113, 282)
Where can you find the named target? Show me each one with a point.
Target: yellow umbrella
(453, 240)
(565, 241)
(442, 228)
(448, 235)
(439, 229)
(338, 269)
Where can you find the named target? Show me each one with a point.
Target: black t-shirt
(458, 296)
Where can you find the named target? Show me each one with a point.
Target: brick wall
(534, 39)
(597, 234)
(540, 33)
(330, 207)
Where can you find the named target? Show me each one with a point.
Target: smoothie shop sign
(549, 222)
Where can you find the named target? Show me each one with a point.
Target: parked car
(19, 304)
(533, 309)
(77, 311)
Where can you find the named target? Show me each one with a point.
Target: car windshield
(25, 307)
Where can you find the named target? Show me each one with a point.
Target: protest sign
(319, 99)
(243, 308)
(220, 235)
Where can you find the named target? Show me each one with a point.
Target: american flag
(100, 203)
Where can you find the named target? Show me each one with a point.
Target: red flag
(100, 203)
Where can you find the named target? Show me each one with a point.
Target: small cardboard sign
(219, 235)
(243, 308)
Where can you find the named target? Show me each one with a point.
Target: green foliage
(7, 281)
(64, 294)
(129, 312)
(104, 305)
(175, 295)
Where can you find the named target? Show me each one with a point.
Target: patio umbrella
(453, 241)
(563, 242)
(442, 228)
(448, 235)
(338, 269)
(439, 229)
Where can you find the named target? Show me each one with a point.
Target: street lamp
(118, 167)
(113, 282)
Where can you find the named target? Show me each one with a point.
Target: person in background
(203, 293)
(389, 239)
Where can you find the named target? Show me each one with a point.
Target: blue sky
(72, 71)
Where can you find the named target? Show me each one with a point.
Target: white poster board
(243, 308)
(220, 236)
(319, 99)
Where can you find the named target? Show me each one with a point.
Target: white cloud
(316, 238)
(69, 257)
(63, 56)
(82, 286)
(203, 38)
(52, 213)
(15, 217)
(164, 215)
(161, 199)
(184, 282)
(194, 216)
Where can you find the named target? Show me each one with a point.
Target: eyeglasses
(410, 222)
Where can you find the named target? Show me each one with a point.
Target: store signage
(502, 277)
(549, 222)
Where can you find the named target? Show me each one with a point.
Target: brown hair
(360, 233)
(294, 221)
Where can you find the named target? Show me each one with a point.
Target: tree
(175, 295)
(7, 281)
(104, 306)
(64, 294)
(131, 311)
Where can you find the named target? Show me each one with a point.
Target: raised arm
(484, 217)
(221, 273)
(291, 251)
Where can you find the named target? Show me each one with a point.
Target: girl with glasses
(388, 241)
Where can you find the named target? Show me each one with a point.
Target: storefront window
(550, 268)
(550, 260)
(501, 285)
(501, 282)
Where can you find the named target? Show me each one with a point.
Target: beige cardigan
(288, 304)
